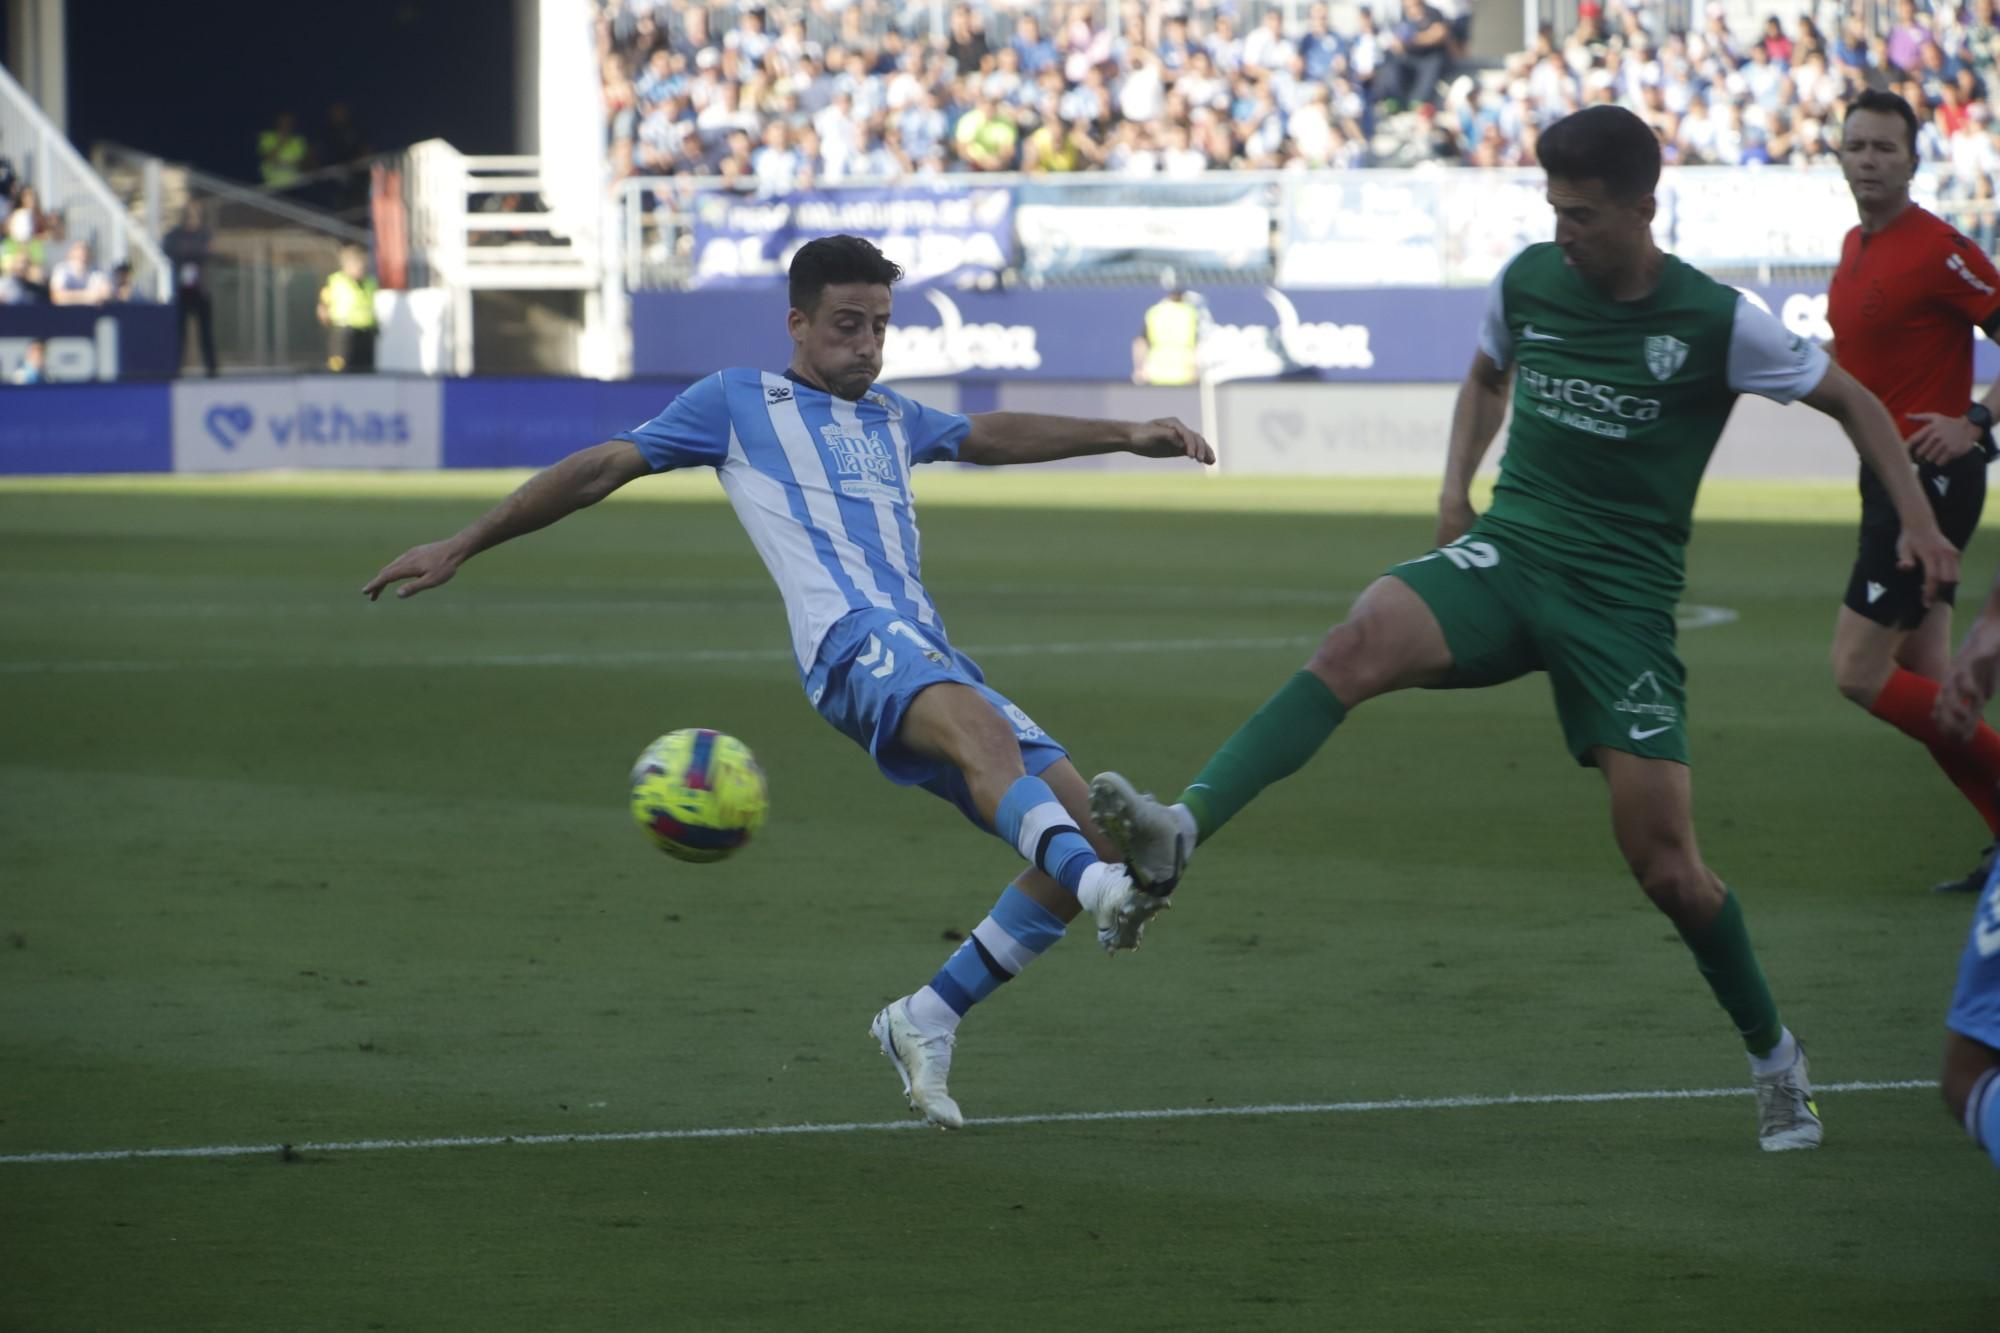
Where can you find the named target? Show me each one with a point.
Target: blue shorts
(871, 667)
(1975, 1006)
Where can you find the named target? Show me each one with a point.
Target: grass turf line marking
(1688, 617)
(884, 1126)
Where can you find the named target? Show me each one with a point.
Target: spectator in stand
(26, 222)
(1417, 57)
(1036, 50)
(1320, 47)
(967, 45)
(14, 286)
(986, 137)
(776, 164)
(34, 367)
(1267, 47)
(123, 289)
(76, 281)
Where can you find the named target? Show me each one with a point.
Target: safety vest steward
(1172, 329)
(349, 304)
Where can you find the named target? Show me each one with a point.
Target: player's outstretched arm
(1475, 420)
(1975, 671)
(1000, 438)
(1873, 433)
(581, 480)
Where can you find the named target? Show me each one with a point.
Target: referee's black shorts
(1894, 597)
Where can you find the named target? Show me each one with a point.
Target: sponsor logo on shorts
(1942, 484)
(1646, 702)
(1024, 726)
(1875, 591)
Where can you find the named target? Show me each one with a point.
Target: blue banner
(941, 235)
(53, 429)
(534, 422)
(85, 343)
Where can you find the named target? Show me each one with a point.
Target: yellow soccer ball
(698, 794)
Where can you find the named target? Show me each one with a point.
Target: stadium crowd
(750, 95)
(38, 265)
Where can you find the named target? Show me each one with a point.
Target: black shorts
(1894, 597)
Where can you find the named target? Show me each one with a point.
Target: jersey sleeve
(1495, 338)
(1770, 361)
(934, 436)
(1966, 281)
(693, 431)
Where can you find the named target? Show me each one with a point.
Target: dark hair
(1604, 143)
(1888, 104)
(833, 260)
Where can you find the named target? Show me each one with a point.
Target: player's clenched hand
(1970, 682)
(1455, 518)
(1166, 437)
(1931, 549)
(1940, 438)
(422, 566)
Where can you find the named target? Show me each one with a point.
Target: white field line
(1690, 617)
(1473, 1103)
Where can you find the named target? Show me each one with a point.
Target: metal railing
(69, 189)
(268, 256)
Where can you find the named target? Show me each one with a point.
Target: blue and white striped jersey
(821, 484)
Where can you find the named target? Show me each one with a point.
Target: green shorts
(1617, 680)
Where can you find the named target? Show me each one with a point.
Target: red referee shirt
(1903, 306)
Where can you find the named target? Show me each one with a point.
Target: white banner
(310, 421)
(1058, 236)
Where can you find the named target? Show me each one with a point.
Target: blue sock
(1033, 820)
(1982, 1114)
(1017, 932)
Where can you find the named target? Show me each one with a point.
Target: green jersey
(1617, 407)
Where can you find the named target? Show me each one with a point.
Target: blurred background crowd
(788, 97)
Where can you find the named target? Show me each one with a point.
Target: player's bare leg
(1893, 673)
(1652, 818)
(1389, 641)
(957, 724)
(1971, 1087)
(919, 1031)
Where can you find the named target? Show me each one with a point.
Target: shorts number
(923, 644)
(1471, 555)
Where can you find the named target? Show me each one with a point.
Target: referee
(1904, 303)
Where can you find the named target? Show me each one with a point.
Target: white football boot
(1156, 841)
(1786, 1116)
(1119, 906)
(923, 1062)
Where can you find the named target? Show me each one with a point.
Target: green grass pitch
(281, 867)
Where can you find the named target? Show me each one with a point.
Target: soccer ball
(698, 794)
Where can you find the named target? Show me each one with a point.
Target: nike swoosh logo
(1639, 735)
(1529, 333)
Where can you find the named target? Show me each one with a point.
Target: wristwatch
(1981, 418)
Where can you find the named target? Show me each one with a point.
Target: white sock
(1184, 820)
(1780, 1057)
(1099, 878)
(930, 1013)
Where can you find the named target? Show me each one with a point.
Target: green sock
(1275, 743)
(1722, 952)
